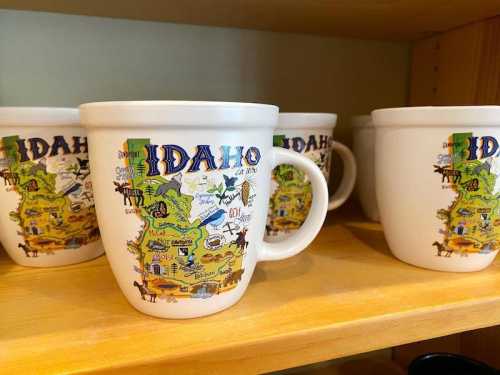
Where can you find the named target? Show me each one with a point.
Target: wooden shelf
(345, 295)
(372, 19)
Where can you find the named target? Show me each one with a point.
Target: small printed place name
(451, 144)
(128, 154)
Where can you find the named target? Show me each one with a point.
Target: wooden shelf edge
(337, 341)
(345, 295)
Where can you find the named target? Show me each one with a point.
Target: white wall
(62, 60)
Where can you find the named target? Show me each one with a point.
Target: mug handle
(319, 207)
(348, 179)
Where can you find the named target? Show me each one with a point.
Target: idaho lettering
(299, 144)
(175, 158)
(36, 148)
(482, 147)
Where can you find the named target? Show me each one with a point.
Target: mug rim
(165, 113)
(307, 120)
(437, 116)
(39, 116)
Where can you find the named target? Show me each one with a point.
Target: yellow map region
(176, 257)
(291, 200)
(49, 221)
(472, 220)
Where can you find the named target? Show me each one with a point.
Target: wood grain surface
(344, 295)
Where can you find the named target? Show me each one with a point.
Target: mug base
(180, 316)
(187, 312)
(457, 267)
(40, 262)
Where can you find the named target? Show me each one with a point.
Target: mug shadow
(288, 269)
(7, 265)
(350, 258)
(79, 296)
(374, 238)
(89, 288)
(85, 297)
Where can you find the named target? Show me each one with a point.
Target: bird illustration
(230, 181)
(214, 219)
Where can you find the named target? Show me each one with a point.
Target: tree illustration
(149, 191)
(221, 191)
(444, 215)
(140, 169)
(174, 268)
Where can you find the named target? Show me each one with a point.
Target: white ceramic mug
(364, 151)
(47, 216)
(438, 183)
(182, 190)
(309, 134)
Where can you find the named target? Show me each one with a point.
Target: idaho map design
(194, 230)
(291, 200)
(472, 221)
(291, 196)
(56, 208)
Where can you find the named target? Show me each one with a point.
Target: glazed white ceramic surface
(309, 134)
(186, 243)
(437, 190)
(364, 151)
(47, 215)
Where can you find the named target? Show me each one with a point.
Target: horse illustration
(27, 250)
(240, 240)
(442, 249)
(143, 289)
